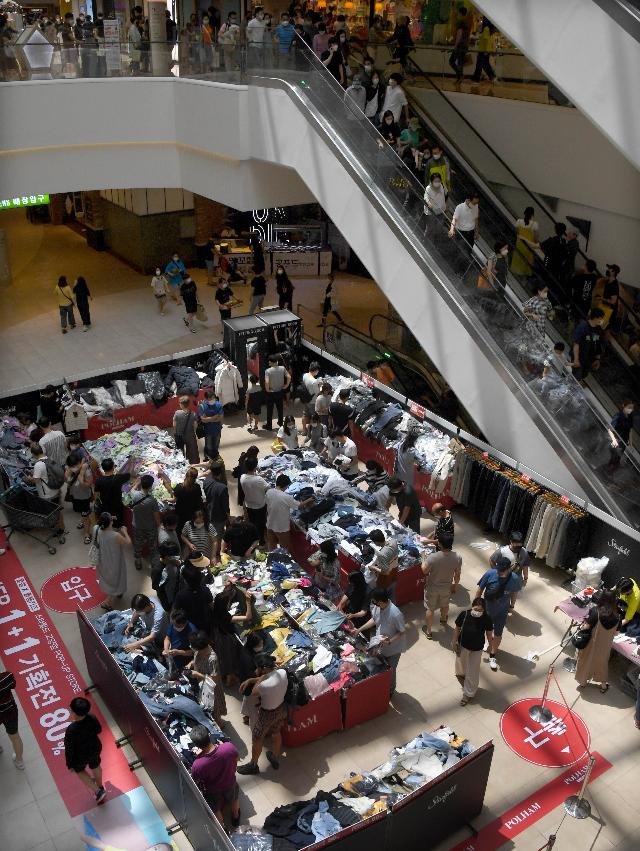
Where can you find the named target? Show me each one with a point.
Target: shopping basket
(25, 512)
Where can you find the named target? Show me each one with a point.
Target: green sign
(23, 201)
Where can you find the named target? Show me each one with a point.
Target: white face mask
(504, 252)
(198, 525)
(475, 613)
(436, 156)
(437, 185)
(158, 272)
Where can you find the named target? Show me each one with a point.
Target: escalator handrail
(624, 13)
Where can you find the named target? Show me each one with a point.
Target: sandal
(604, 688)
(80, 525)
(464, 701)
(427, 633)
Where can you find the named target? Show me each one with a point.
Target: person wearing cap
(409, 508)
(519, 558)
(497, 586)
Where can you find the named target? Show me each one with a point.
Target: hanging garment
(228, 383)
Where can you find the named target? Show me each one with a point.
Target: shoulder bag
(94, 549)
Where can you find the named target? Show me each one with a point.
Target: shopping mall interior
(212, 221)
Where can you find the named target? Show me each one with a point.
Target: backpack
(303, 394)
(55, 474)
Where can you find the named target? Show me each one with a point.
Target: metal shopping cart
(25, 512)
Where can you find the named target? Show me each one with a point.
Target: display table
(318, 718)
(627, 647)
(371, 450)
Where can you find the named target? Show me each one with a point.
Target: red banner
(47, 680)
(533, 808)
(417, 410)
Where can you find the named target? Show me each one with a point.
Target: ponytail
(104, 521)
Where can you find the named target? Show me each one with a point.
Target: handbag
(201, 313)
(581, 638)
(94, 549)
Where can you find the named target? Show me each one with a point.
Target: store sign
(367, 379)
(296, 262)
(24, 201)
(417, 410)
(561, 741)
(76, 586)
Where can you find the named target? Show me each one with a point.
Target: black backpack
(303, 394)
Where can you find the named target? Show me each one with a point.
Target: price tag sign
(485, 454)
(565, 500)
(367, 379)
(417, 410)
(525, 478)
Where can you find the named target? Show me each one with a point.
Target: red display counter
(409, 587)
(317, 719)
(367, 699)
(428, 497)
(370, 450)
(147, 414)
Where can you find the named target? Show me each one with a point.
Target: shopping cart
(25, 512)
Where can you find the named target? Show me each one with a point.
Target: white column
(158, 38)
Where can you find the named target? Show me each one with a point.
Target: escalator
(477, 339)
(478, 168)
(590, 49)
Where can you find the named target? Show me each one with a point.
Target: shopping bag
(201, 313)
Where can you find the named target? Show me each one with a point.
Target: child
(316, 434)
(323, 401)
(255, 398)
(176, 642)
(288, 433)
(82, 747)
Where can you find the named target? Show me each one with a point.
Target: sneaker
(493, 664)
(248, 768)
(267, 427)
(194, 330)
(85, 328)
(101, 795)
(272, 759)
(427, 633)
(19, 764)
(79, 525)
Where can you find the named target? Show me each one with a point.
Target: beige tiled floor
(126, 325)
(32, 815)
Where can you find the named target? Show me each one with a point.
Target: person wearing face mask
(375, 97)
(199, 535)
(472, 628)
(320, 43)
(225, 299)
(437, 163)
(620, 435)
(519, 558)
(494, 274)
(538, 309)
(175, 271)
(464, 228)
(435, 204)
(333, 60)
(160, 289)
(256, 35)
(367, 70)
(395, 99)
(284, 289)
(389, 129)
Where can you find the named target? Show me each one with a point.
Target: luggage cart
(25, 512)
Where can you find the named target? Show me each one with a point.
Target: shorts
(82, 506)
(223, 798)
(92, 762)
(160, 295)
(253, 406)
(499, 617)
(268, 722)
(437, 596)
(10, 720)
(309, 409)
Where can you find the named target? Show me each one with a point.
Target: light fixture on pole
(539, 712)
(577, 806)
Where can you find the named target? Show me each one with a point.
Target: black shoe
(248, 768)
(274, 762)
(101, 795)
(235, 822)
(266, 427)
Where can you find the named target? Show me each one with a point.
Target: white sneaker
(19, 764)
(493, 663)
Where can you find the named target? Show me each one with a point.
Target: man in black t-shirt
(240, 539)
(472, 628)
(108, 490)
(611, 294)
(225, 299)
(620, 434)
(258, 292)
(341, 413)
(216, 493)
(409, 508)
(582, 285)
(587, 344)
(82, 747)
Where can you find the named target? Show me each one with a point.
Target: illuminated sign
(23, 201)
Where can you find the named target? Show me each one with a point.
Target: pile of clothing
(15, 457)
(300, 627)
(171, 703)
(122, 393)
(139, 450)
(361, 795)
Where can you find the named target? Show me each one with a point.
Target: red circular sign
(73, 587)
(561, 741)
